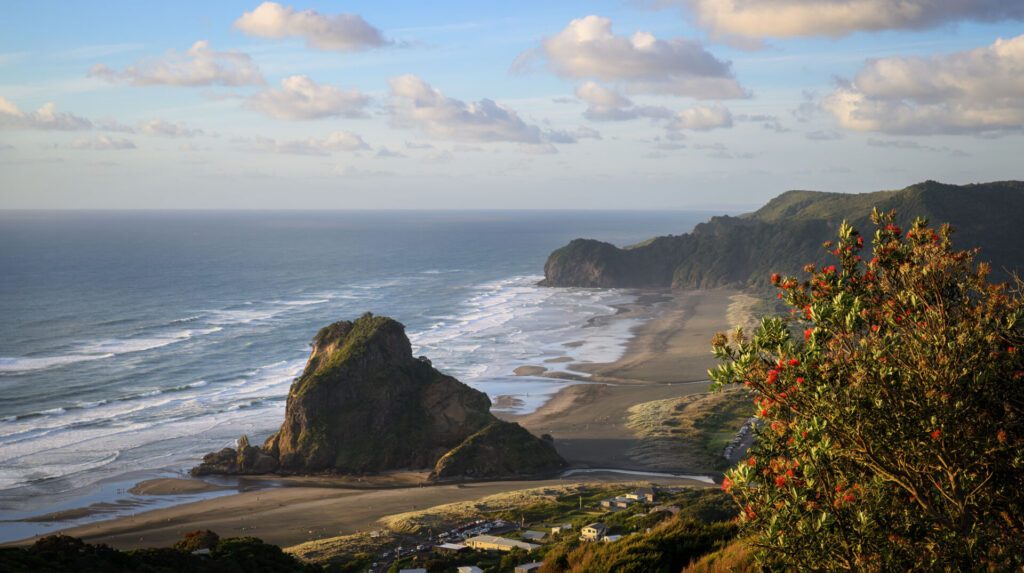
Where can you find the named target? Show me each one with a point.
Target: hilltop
(788, 232)
(365, 405)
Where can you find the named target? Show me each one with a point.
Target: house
(451, 548)
(417, 570)
(617, 503)
(527, 567)
(492, 543)
(469, 569)
(560, 528)
(611, 538)
(642, 494)
(534, 535)
(593, 532)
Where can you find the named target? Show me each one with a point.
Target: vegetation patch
(688, 432)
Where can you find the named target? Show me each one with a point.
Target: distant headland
(788, 232)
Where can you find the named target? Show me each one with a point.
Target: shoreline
(666, 356)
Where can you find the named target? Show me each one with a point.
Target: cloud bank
(163, 128)
(835, 18)
(605, 104)
(701, 118)
(416, 104)
(337, 141)
(975, 91)
(588, 49)
(338, 33)
(301, 98)
(103, 143)
(46, 117)
(199, 66)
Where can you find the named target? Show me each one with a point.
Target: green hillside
(788, 232)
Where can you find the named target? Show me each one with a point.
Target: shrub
(890, 402)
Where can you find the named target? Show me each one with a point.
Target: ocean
(131, 343)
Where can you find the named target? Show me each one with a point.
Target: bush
(665, 549)
(196, 540)
(890, 402)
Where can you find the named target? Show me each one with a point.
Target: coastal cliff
(788, 232)
(364, 404)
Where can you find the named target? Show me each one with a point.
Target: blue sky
(103, 106)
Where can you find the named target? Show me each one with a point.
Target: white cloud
(701, 118)
(605, 104)
(103, 143)
(46, 117)
(199, 66)
(339, 33)
(835, 18)
(167, 129)
(337, 141)
(415, 104)
(975, 91)
(302, 98)
(588, 49)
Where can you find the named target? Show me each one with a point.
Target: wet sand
(668, 357)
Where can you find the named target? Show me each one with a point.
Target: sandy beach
(667, 357)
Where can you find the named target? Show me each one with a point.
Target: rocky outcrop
(364, 404)
(788, 232)
(501, 450)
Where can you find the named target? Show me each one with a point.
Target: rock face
(364, 404)
(787, 233)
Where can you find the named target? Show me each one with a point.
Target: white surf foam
(15, 365)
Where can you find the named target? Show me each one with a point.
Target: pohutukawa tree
(892, 406)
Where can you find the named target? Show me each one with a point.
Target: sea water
(138, 341)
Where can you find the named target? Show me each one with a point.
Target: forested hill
(788, 232)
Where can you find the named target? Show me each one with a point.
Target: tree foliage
(890, 401)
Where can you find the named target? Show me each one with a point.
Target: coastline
(666, 357)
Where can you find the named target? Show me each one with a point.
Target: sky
(628, 104)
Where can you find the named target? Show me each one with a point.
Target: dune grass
(689, 432)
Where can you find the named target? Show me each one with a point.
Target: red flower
(808, 333)
(752, 461)
(1001, 436)
(800, 380)
(773, 375)
(936, 434)
(780, 481)
(726, 485)
(829, 269)
(794, 362)
(776, 278)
